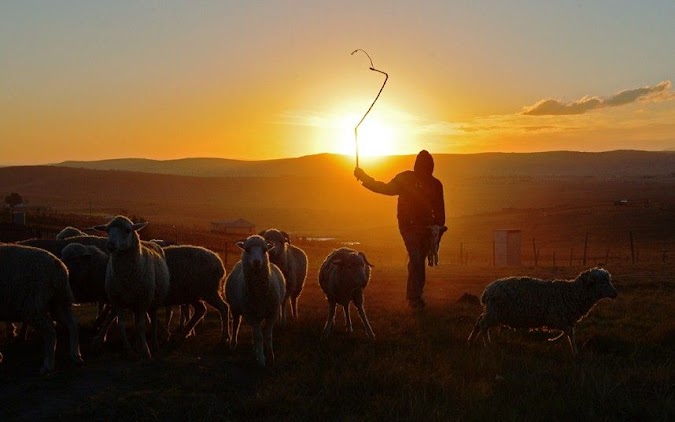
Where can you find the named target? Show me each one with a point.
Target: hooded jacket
(420, 195)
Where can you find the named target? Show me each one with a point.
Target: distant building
(239, 226)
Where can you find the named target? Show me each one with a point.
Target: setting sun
(376, 137)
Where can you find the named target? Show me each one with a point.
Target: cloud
(554, 107)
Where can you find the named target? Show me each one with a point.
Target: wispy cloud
(551, 107)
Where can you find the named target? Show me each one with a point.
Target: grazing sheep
(137, 278)
(87, 266)
(56, 246)
(435, 243)
(293, 264)
(197, 276)
(343, 276)
(255, 289)
(526, 302)
(70, 231)
(33, 286)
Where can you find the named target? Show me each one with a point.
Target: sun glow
(376, 137)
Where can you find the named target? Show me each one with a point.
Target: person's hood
(424, 163)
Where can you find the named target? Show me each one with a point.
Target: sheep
(343, 276)
(255, 289)
(87, 266)
(436, 233)
(34, 285)
(70, 231)
(56, 246)
(293, 264)
(137, 278)
(526, 302)
(197, 276)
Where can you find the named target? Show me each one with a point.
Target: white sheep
(255, 289)
(526, 302)
(436, 233)
(293, 264)
(343, 276)
(137, 278)
(197, 276)
(34, 285)
(70, 231)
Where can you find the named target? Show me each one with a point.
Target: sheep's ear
(262, 232)
(240, 243)
(444, 229)
(366, 259)
(287, 237)
(270, 246)
(138, 226)
(101, 228)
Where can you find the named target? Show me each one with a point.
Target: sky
(84, 80)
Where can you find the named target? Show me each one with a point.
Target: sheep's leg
(45, 327)
(217, 302)
(348, 318)
(200, 311)
(154, 328)
(571, 339)
(103, 310)
(168, 316)
(358, 301)
(267, 338)
(476, 330)
(330, 322)
(65, 316)
(185, 315)
(100, 307)
(284, 310)
(258, 343)
(139, 324)
(110, 314)
(236, 321)
(294, 307)
(128, 351)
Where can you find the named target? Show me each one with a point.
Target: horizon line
(367, 158)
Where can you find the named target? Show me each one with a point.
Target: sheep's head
(280, 240)
(255, 252)
(599, 281)
(122, 234)
(353, 268)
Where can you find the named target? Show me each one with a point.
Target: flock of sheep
(40, 279)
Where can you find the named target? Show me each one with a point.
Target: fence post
(585, 248)
(632, 248)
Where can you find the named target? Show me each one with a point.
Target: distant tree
(13, 199)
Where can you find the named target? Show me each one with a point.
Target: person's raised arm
(370, 183)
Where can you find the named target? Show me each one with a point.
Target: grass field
(418, 367)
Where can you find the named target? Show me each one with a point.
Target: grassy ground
(418, 367)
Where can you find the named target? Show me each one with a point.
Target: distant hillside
(318, 194)
(557, 163)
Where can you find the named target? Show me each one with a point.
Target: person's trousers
(417, 245)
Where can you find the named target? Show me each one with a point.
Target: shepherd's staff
(356, 129)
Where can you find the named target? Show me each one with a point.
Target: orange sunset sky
(84, 80)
